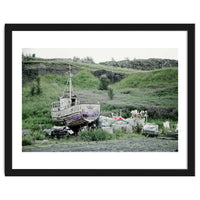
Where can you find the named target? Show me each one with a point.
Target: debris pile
(150, 130)
(166, 130)
(118, 123)
(58, 131)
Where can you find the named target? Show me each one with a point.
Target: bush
(138, 129)
(38, 87)
(38, 136)
(118, 134)
(94, 135)
(32, 91)
(26, 140)
(104, 82)
(101, 135)
(110, 93)
(163, 113)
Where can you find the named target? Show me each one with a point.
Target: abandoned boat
(70, 112)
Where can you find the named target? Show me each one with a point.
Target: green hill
(82, 80)
(85, 80)
(155, 89)
(153, 79)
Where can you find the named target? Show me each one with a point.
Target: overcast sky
(104, 54)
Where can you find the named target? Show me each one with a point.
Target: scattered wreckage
(58, 131)
(72, 116)
(150, 130)
(110, 124)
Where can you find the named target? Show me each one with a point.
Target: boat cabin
(65, 103)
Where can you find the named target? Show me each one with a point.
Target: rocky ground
(140, 144)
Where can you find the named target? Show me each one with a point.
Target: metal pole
(70, 85)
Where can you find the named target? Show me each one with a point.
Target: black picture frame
(189, 28)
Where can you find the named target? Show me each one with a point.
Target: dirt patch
(142, 144)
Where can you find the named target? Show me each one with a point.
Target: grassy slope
(153, 79)
(143, 89)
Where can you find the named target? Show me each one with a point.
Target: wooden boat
(70, 112)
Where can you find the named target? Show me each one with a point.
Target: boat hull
(78, 115)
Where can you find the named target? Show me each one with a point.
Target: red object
(118, 118)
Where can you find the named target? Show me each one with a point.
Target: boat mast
(68, 88)
(70, 84)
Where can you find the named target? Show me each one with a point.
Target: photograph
(99, 100)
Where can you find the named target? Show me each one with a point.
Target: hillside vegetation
(60, 65)
(143, 64)
(155, 79)
(155, 91)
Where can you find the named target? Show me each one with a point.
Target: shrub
(32, 91)
(138, 128)
(38, 136)
(118, 134)
(104, 82)
(125, 113)
(38, 87)
(86, 135)
(163, 113)
(101, 135)
(26, 140)
(110, 93)
(94, 135)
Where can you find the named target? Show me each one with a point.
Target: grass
(153, 79)
(29, 139)
(159, 122)
(26, 140)
(138, 98)
(83, 136)
(94, 135)
(85, 80)
(88, 136)
(34, 113)
(38, 136)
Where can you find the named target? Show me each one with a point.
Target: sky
(104, 54)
